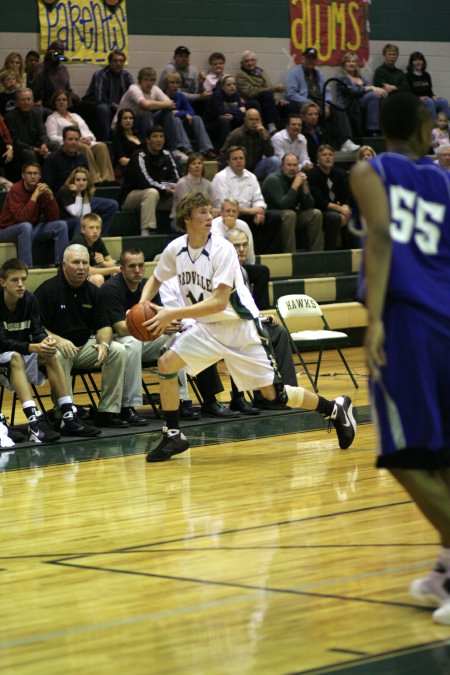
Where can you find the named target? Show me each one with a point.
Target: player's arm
(373, 204)
(216, 302)
(150, 289)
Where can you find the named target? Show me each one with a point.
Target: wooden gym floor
(264, 549)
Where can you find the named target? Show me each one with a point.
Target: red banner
(333, 27)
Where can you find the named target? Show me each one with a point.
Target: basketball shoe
(343, 421)
(72, 425)
(434, 590)
(39, 430)
(172, 443)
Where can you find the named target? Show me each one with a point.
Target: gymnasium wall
(156, 27)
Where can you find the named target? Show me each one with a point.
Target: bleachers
(330, 277)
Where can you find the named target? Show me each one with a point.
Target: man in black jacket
(329, 188)
(150, 179)
(24, 348)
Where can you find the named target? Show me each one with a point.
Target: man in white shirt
(291, 141)
(237, 183)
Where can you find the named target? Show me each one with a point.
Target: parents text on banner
(333, 27)
(89, 29)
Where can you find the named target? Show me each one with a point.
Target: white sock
(295, 396)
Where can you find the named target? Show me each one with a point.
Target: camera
(57, 57)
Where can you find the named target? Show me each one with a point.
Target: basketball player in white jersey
(227, 327)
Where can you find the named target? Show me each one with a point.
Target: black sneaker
(239, 404)
(343, 421)
(39, 430)
(15, 435)
(172, 443)
(76, 427)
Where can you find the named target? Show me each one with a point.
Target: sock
(29, 408)
(325, 407)
(295, 396)
(65, 403)
(172, 419)
(209, 401)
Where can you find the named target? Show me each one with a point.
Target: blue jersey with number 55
(419, 199)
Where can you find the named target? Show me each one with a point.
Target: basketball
(136, 316)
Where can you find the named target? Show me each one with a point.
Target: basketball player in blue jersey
(227, 327)
(404, 203)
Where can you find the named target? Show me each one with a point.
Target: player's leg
(173, 442)
(430, 490)
(339, 411)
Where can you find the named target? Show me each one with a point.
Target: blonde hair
(91, 218)
(90, 189)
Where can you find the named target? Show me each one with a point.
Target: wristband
(108, 347)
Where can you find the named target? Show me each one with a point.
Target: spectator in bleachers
(14, 62)
(106, 88)
(361, 98)
(254, 137)
(314, 134)
(254, 84)
(32, 59)
(96, 152)
(388, 76)
(237, 183)
(73, 313)
(276, 333)
(31, 213)
(330, 190)
(126, 141)
(225, 109)
(216, 71)
(306, 84)
(419, 80)
(101, 263)
(24, 348)
(258, 274)
(150, 106)
(145, 99)
(228, 219)
(52, 76)
(150, 179)
(31, 142)
(192, 181)
(191, 78)
(74, 198)
(287, 191)
(365, 152)
(185, 122)
(61, 163)
(443, 157)
(292, 141)
(9, 82)
(441, 133)
(119, 294)
(6, 152)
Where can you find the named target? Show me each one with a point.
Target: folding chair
(299, 306)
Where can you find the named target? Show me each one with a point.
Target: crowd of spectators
(277, 188)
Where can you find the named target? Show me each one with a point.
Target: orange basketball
(136, 317)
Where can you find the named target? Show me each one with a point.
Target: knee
(26, 229)
(117, 351)
(165, 366)
(16, 361)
